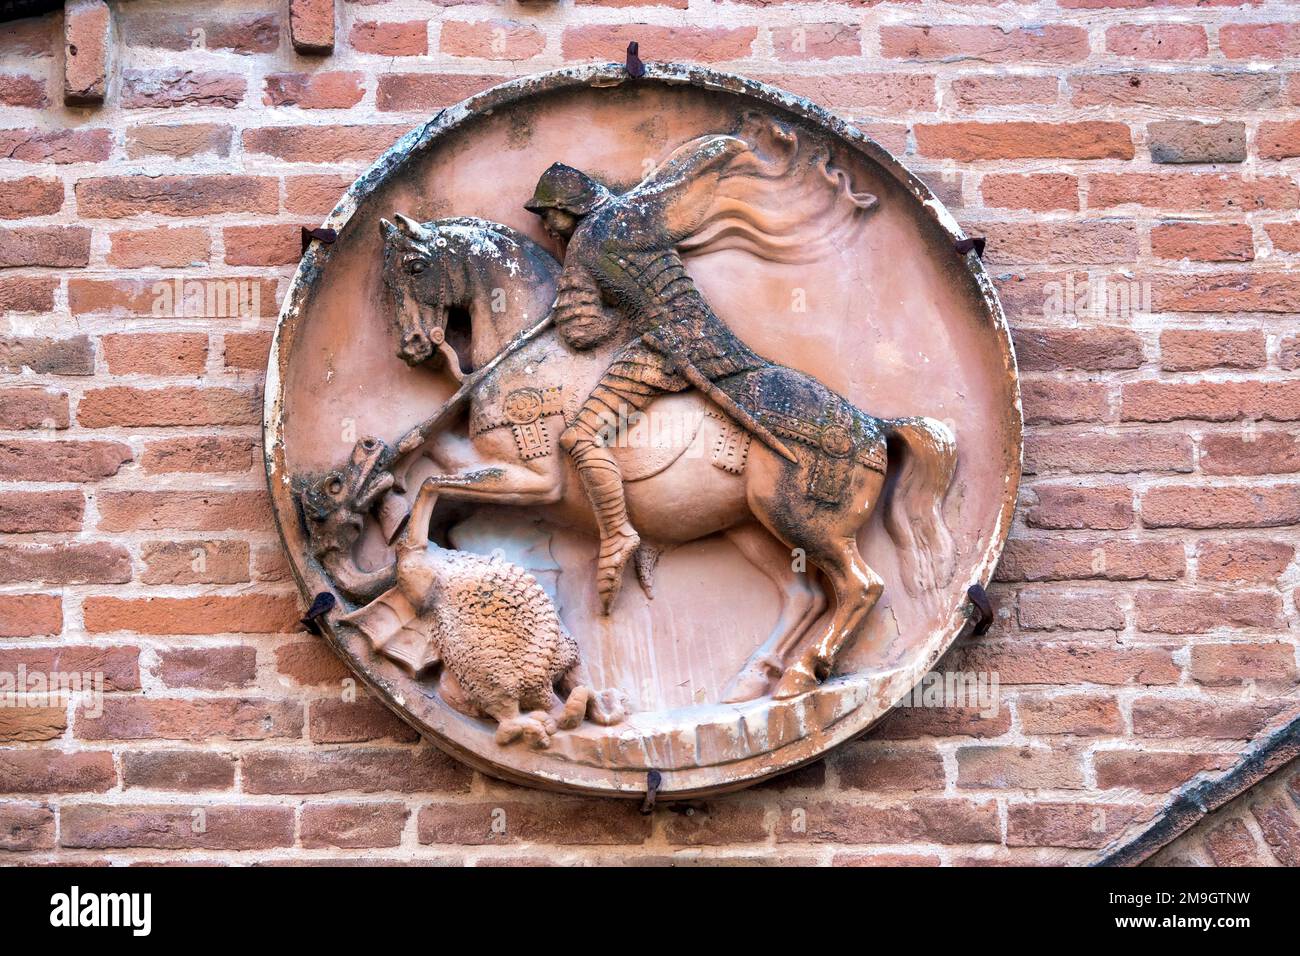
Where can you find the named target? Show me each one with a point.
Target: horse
(462, 287)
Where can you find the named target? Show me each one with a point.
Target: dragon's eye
(334, 486)
(415, 266)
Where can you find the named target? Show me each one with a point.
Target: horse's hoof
(746, 687)
(794, 683)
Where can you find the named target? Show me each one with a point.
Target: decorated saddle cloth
(797, 407)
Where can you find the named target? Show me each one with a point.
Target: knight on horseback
(622, 255)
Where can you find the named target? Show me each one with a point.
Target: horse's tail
(914, 509)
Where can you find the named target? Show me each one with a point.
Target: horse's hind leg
(857, 589)
(802, 602)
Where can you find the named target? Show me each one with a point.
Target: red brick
(1203, 242)
(184, 511)
(879, 93)
(1059, 664)
(1231, 844)
(1285, 237)
(30, 615)
(976, 92)
(352, 825)
(605, 42)
(1184, 192)
(125, 407)
(117, 667)
(491, 39)
(23, 512)
(1067, 242)
(52, 771)
(969, 142)
(1250, 453)
(247, 350)
(1084, 715)
(910, 723)
(163, 246)
(1228, 90)
(1055, 559)
(1096, 347)
(183, 353)
(208, 668)
(230, 718)
(310, 662)
(418, 92)
(877, 765)
(25, 827)
(75, 563)
(27, 294)
(180, 770)
(1152, 771)
(179, 31)
(921, 819)
(1081, 825)
(1019, 768)
(1077, 506)
(182, 140)
(195, 562)
(1277, 821)
(32, 724)
(172, 827)
(1158, 41)
(88, 49)
(276, 245)
(1192, 612)
(562, 820)
(1218, 665)
(1249, 41)
(56, 246)
(164, 89)
(311, 25)
(990, 44)
(1050, 609)
(1214, 401)
(22, 89)
(210, 454)
(390, 39)
(1243, 561)
(716, 825)
(314, 194)
(367, 769)
(30, 196)
(1164, 718)
(117, 197)
(1228, 292)
(1207, 506)
(60, 146)
(211, 614)
(1038, 191)
(1100, 450)
(1187, 141)
(28, 408)
(363, 719)
(61, 460)
(328, 90)
(320, 144)
(816, 41)
(1050, 401)
(1183, 350)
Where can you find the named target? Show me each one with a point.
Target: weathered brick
(184, 511)
(23, 512)
(1227, 89)
(816, 41)
(1187, 141)
(171, 827)
(1184, 192)
(117, 667)
(195, 562)
(417, 92)
(1203, 242)
(180, 140)
(1158, 41)
(969, 142)
(53, 771)
(1077, 506)
(181, 770)
(212, 454)
(59, 146)
(1036, 191)
(491, 39)
(263, 245)
(1044, 609)
(310, 662)
(1056, 559)
(1084, 715)
(70, 356)
(357, 720)
(1185, 350)
(366, 769)
(327, 90)
(352, 825)
(1242, 561)
(877, 765)
(230, 718)
(117, 197)
(1208, 506)
(62, 460)
(1082, 825)
(1055, 664)
(30, 196)
(88, 50)
(1019, 768)
(1215, 401)
(1227, 664)
(163, 246)
(1277, 821)
(164, 89)
(23, 90)
(182, 353)
(1241, 41)
(32, 724)
(1231, 844)
(562, 820)
(696, 44)
(1050, 401)
(208, 668)
(409, 38)
(210, 614)
(922, 819)
(30, 615)
(1152, 771)
(1181, 717)
(1093, 348)
(66, 246)
(311, 25)
(25, 827)
(1099, 450)
(123, 406)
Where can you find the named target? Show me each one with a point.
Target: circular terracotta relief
(641, 425)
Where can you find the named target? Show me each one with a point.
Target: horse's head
(426, 280)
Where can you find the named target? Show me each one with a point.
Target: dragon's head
(335, 504)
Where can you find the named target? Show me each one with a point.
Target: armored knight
(623, 254)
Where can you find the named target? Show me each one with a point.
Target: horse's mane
(481, 236)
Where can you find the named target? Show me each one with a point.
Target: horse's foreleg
(802, 602)
(487, 470)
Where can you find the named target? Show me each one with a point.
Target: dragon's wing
(395, 629)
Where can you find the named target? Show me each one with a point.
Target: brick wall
(1148, 623)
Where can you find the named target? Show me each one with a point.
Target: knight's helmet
(569, 189)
